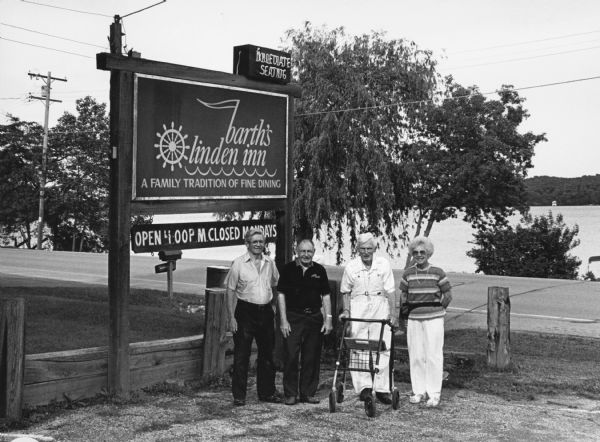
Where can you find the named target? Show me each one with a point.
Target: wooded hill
(581, 191)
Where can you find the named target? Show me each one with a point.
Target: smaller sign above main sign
(156, 237)
(262, 63)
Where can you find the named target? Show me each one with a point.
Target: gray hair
(307, 240)
(251, 232)
(365, 238)
(421, 241)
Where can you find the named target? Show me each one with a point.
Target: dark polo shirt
(303, 290)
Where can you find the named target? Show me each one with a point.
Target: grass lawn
(63, 318)
(66, 318)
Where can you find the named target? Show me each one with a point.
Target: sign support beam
(121, 107)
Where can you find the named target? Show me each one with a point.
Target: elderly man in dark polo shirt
(305, 309)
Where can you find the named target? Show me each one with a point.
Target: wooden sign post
(12, 357)
(498, 351)
(189, 140)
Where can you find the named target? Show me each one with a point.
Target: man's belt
(306, 310)
(353, 295)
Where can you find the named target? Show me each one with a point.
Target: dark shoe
(310, 399)
(384, 398)
(274, 399)
(363, 394)
(290, 400)
(239, 402)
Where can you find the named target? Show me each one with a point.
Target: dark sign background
(205, 141)
(155, 237)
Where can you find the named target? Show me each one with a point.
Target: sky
(548, 49)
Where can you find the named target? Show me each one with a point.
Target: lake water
(452, 239)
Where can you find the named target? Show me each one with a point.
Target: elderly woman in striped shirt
(425, 296)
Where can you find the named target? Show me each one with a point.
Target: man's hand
(232, 325)
(393, 320)
(345, 314)
(285, 328)
(327, 326)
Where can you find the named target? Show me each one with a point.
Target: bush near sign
(157, 237)
(262, 63)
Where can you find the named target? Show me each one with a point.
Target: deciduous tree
(350, 127)
(472, 157)
(78, 201)
(20, 159)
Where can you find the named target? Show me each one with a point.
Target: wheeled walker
(362, 355)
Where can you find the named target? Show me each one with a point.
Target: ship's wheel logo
(171, 146)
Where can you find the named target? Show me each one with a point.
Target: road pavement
(537, 304)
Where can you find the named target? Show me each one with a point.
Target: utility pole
(46, 97)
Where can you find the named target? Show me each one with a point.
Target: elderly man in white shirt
(368, 291)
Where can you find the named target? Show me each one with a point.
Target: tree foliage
(349, 128)
(20, 156)
(580, 191)
(78, 200)
(539, 248)
(76, 206)
(472, 158)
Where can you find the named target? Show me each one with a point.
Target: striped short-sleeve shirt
(423, 289)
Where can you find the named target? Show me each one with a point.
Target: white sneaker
(433, 402)
(416, 398)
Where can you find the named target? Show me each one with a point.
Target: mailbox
(169, 255)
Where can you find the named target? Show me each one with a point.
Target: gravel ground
(207, 414)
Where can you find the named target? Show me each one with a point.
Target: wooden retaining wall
(83, 373)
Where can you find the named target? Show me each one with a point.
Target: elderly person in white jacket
(368, 291)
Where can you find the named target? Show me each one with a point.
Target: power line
(54, 36)
(524, 58)
(401, 103)
(67, 9)
(526, 42)
(45, 47)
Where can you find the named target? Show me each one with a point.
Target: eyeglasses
(365, 249)
(419, 252)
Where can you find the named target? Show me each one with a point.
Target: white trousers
(425, 339)
(371, 307)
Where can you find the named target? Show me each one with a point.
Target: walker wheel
(332, 401)
(340, 393)
(395, 399)
(370, 406)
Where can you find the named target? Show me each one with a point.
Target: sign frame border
(134, 198)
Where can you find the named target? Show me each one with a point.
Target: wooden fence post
(216, 338)
(12, 357)
(498, 351)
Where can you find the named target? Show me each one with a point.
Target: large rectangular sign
(155, 237)
(196, 140)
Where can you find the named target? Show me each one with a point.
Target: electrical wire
(458, 97)
(533, 57)
(66, 9)
(54, 36)
(45, 47)
(525, 42)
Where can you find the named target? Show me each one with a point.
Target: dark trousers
(303, 345)
(253, 322)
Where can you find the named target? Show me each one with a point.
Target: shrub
(538, 248)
